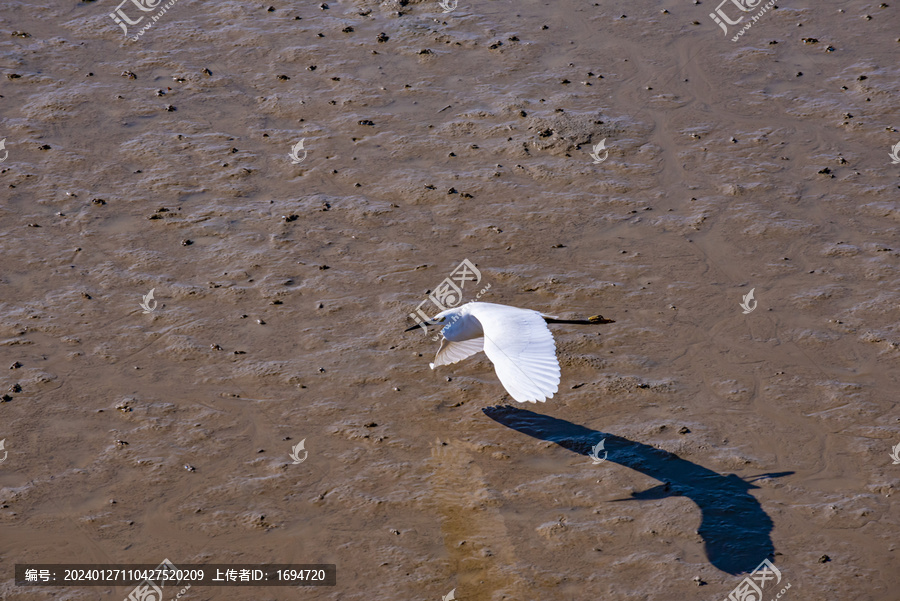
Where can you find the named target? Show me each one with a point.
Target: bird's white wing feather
(521, 347)
(452, 352)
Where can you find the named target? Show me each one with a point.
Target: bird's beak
(418, 325)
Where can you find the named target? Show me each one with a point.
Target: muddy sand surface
(160, 162)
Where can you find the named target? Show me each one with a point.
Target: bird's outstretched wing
(521, 347)
(452, 352)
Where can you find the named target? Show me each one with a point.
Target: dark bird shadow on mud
(735, 529)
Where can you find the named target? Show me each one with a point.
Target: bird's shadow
(735, 529)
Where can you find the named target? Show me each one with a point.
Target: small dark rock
(382, 37)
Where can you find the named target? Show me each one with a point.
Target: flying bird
(517, 341)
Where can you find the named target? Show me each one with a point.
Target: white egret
(517, 341)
